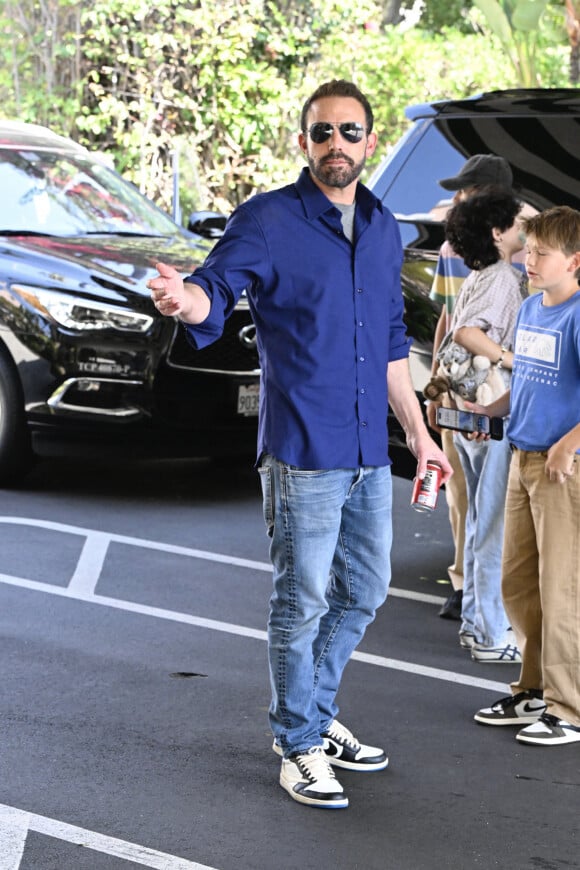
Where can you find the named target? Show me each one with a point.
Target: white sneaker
(505, 653)
(466, 639)
(309, 779)
(549, 731)
(523, 708)
(342, 749)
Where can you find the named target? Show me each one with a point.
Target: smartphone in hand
(467, 421)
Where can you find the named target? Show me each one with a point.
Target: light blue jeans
(485, 465)
(331, 537)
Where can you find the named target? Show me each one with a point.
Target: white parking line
(94, 552)
(15, 825)
(13, 833)
(88, 569)
(90, 563)
(243, 631)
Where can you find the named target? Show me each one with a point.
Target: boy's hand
(559, 463)
(475, 408)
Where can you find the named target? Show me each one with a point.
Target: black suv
(86, 362)
(536, 131)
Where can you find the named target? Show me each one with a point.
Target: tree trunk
(391, 12)
(573, 27)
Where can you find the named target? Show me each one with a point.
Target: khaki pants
(541, 581)
(456, 495)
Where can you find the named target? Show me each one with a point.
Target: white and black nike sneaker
(549, 731)
(342, 749)
(309, 779)
(521, 709)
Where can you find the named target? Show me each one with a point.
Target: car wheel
(16, 456)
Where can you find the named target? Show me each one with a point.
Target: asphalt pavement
(133, 714)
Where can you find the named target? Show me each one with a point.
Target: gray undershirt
(347, 212)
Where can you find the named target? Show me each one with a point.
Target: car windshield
(63, 194)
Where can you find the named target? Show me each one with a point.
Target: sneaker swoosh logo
(529, 709)
(332, 749)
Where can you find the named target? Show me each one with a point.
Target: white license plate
(249, 400)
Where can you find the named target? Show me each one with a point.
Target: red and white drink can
(425, 491)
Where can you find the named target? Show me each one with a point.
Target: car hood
(112, 266)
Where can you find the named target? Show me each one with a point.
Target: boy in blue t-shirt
(541, 552)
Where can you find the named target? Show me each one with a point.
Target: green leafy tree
(214, 82)
(41, 71)
(439, 15)
(214, 87)
(524, 28)
(573, 28)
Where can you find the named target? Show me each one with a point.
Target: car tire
(16, 457)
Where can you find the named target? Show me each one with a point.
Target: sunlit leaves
(524, 28)
(216, 86)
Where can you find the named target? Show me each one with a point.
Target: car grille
(230, 354)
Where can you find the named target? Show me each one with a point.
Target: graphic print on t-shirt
(545, 387)
(539, 345)
(538, 351)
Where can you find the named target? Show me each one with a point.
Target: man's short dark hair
(338, 88)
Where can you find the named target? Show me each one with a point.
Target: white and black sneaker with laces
(342, 749)
(520, 709)
(548, 730)
(309, 779)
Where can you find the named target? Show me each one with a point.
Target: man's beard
(335, 176)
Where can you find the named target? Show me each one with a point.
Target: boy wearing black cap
(479, 172)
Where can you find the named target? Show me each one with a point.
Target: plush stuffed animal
(493, 386)
(464, 376)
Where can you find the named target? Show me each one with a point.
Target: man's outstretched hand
(174, 298)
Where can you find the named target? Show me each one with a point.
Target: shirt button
(363, 391)
(361, 359)
(359, 290)
(360, 323)
(364, 424)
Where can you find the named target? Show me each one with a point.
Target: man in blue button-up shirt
(320, 263)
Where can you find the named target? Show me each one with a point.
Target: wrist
(501, 360)
(568, 444)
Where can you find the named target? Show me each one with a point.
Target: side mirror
(208, 224)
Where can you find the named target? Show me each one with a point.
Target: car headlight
(73, 312)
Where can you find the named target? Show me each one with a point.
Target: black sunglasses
(320, 132)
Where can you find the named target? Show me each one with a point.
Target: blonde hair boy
(541, 555)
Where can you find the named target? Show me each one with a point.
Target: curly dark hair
(469, 226)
